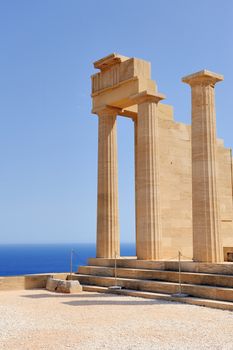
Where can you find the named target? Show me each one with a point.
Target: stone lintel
(203, 76)
(145, 96)
(108, 61)
(106, 109)
(108, 89)
(128, 114)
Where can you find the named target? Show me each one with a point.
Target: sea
(22, 259)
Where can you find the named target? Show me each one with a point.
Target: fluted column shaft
(148, 221)
(205, 204)
(135, 177)
(108, 242)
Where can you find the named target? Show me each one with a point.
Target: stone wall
(33, 281)
(176, 187)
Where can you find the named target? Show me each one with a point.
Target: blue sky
(48, 137)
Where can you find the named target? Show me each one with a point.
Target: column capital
(107, 110)
(203, 77)
(147, 97)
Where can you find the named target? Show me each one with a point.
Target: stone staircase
(205, 284)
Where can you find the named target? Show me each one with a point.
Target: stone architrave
(207, 245)
(148, 219)
(108, 241)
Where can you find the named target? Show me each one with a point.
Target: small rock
(63, 286)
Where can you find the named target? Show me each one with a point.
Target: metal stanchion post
(115, 266)
(179, 294)
(71, 263)
(115, 287)
(179, 256)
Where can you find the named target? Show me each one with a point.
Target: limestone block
(224, 181)
(63, 286)
(220, 142)
(116, 72)
(119, 80)
(165, 111)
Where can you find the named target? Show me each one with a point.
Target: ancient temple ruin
(183, 189)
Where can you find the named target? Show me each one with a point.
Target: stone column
(135, 176)
(107, 207)
(148, 220)
(207, 245)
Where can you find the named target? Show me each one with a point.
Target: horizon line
(44, 243)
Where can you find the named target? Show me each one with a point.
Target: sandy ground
(43, 320)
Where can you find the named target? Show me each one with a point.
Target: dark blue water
(39, 258)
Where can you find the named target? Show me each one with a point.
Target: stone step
(223, 305)
(186, 266)
(169, 276)
(131, 262)
(201, 291)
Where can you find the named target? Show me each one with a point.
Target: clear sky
(48, 137)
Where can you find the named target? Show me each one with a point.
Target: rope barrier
(187, 257)
(173, 258)
(177, 257)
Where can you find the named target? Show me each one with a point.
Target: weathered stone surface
(108, 240)
(207, 245)
(163, 166)
(63, 286)
(148, 214)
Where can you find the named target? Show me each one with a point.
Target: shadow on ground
(100, 299)
(148, 302)
(60, 295)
